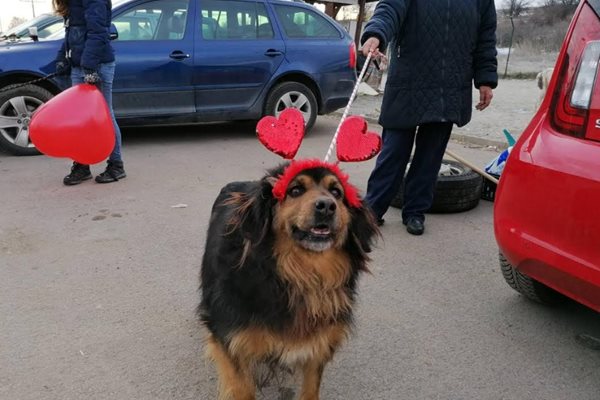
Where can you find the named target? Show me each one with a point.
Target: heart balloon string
(347, 109)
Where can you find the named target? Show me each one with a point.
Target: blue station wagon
(190, 61)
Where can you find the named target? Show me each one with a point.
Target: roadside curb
(456, 137)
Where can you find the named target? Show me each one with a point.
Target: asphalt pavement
(99, 284)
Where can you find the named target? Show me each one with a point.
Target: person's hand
(371, 45)
(485, 97)
(91, 77)
(62, 68)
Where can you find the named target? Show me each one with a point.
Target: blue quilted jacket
(87, 36)
(439, 48)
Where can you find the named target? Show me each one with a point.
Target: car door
(237, 52)
(154, 54)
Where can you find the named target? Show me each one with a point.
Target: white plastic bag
(496, 166)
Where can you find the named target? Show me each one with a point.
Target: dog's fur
(279, 279)
(543, 81)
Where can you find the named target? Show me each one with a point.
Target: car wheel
(293, 95)
(527, 286)
(458, 188)
(16, 108)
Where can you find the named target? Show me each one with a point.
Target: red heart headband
(353, 143)
(297, 166)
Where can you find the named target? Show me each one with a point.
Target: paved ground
(514, 103)
(99, 284)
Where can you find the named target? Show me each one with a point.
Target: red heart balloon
(75, 124)
(282, 135)
(354, 143)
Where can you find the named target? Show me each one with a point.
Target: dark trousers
(386, 178)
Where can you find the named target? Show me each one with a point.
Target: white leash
(352, 96)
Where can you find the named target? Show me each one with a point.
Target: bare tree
(514, 8)
(569, 2)
(15, 21)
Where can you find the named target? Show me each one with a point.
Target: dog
(279, 275)
(543, 81)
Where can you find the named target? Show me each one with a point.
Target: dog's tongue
(320, 231)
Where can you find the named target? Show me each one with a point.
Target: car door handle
(273, 53)
(179, 55)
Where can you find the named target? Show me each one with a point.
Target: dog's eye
(337, 193)
(296, 191)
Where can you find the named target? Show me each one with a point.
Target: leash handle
(345, 114)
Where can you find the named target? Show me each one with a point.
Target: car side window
(51, 29)
(235, 20)
(154, 20)
(302, 23)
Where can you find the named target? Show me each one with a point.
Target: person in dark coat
(439, 48)
(88, 54)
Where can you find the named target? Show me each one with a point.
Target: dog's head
(312, 204)
(313, 212)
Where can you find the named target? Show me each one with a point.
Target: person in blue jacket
(439, 49)
(88, 54)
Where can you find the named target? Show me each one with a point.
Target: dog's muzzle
(319, 235)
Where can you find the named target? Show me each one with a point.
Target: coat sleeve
(97, 34)
(485, 63)
(386, 22)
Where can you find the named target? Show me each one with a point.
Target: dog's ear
(255, 214)
(363, 228)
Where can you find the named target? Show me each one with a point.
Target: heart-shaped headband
(352, 141)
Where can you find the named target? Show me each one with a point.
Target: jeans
(390, 167)
(107, 74)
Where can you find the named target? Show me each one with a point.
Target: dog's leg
(313, 372)
(235, 380)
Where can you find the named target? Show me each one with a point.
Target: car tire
(527, 286)
(293, 94)
(18, 104)
(456, 191)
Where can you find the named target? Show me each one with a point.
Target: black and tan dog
(279, 275)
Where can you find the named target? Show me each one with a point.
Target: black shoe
(380, 221)
(415, 226)
(79, 173)
(114, 171)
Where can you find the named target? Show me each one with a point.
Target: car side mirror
(33, 33)
(113, 33)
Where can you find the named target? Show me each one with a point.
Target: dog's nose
(325, 207)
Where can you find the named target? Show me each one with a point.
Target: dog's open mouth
(317, 238)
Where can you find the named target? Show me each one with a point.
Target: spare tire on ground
(457, 189)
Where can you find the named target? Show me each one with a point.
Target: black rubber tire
(40, 95)
(527, 286)
(273, 105)
(453, 193)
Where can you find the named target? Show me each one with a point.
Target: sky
(22, 8)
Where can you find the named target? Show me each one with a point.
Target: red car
(547, 206)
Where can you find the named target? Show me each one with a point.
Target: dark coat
(438, 48)
(87, 36)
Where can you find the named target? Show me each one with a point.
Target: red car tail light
(577, 81)
(352, 61)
